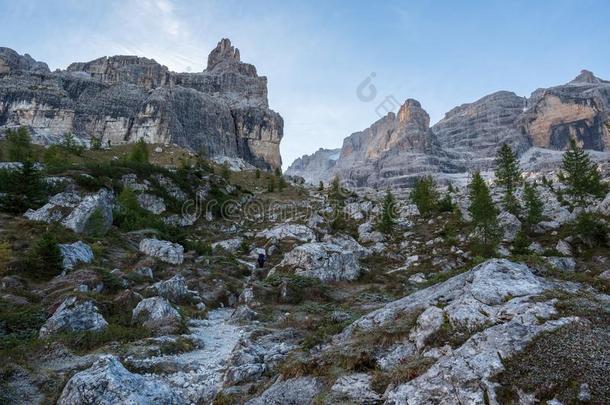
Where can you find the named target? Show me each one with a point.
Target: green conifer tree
(22, 189)
(139, 152)
(425, 196)
(533, 205)
(508, 175)
(580, 175)
(387, 220)
(484, 215)
(19, 145)
(44, 258)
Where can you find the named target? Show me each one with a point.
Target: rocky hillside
(222, 111)
(402, 146)
(125, 281)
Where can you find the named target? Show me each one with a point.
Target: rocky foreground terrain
(221, 111)
(402, 146)
(155, 295)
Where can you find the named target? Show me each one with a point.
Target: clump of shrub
(591, 230)
(44, 259)
(22, 189)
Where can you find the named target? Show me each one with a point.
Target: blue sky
(316, 53)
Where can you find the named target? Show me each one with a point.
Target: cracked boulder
(324, 261)
(108, 382)
(156, 314)
(163, 250)
(74, 315)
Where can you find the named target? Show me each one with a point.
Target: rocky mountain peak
(224, 51)
(411, 112)
(11, 61)
(586, 77)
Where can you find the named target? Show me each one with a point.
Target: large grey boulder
(99, 204)
(74, 315)
(156, 313)
(58, 207)
(108, 382)
(230, 245)
(510, 224)
(174, 290)
(324, 261)
(289, 231)
(170, 187)
(74, 253)
(163, 250)
(348, 243)
(296, 391)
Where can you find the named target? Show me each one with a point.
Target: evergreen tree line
(579, 175)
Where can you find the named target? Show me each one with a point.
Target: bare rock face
(501, 303)
(474, 131)
(11, 61)
(316, 167)
(121, 99)
(579, 110)
(391, 150)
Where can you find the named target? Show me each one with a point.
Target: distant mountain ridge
(400, 147)
(222, 110)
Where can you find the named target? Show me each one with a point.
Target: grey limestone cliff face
(390, 151)
(400, 147)
(222, 111)
(578, 110)
(315, 167)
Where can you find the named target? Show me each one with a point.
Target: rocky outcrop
(324, 261)
(108, 382)
(121, 99)
(168, 252)
(401, 146)
(89, 214)
(157, 314)
(151, 203)
(74, 315)
(499, 303)
(74, 253)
